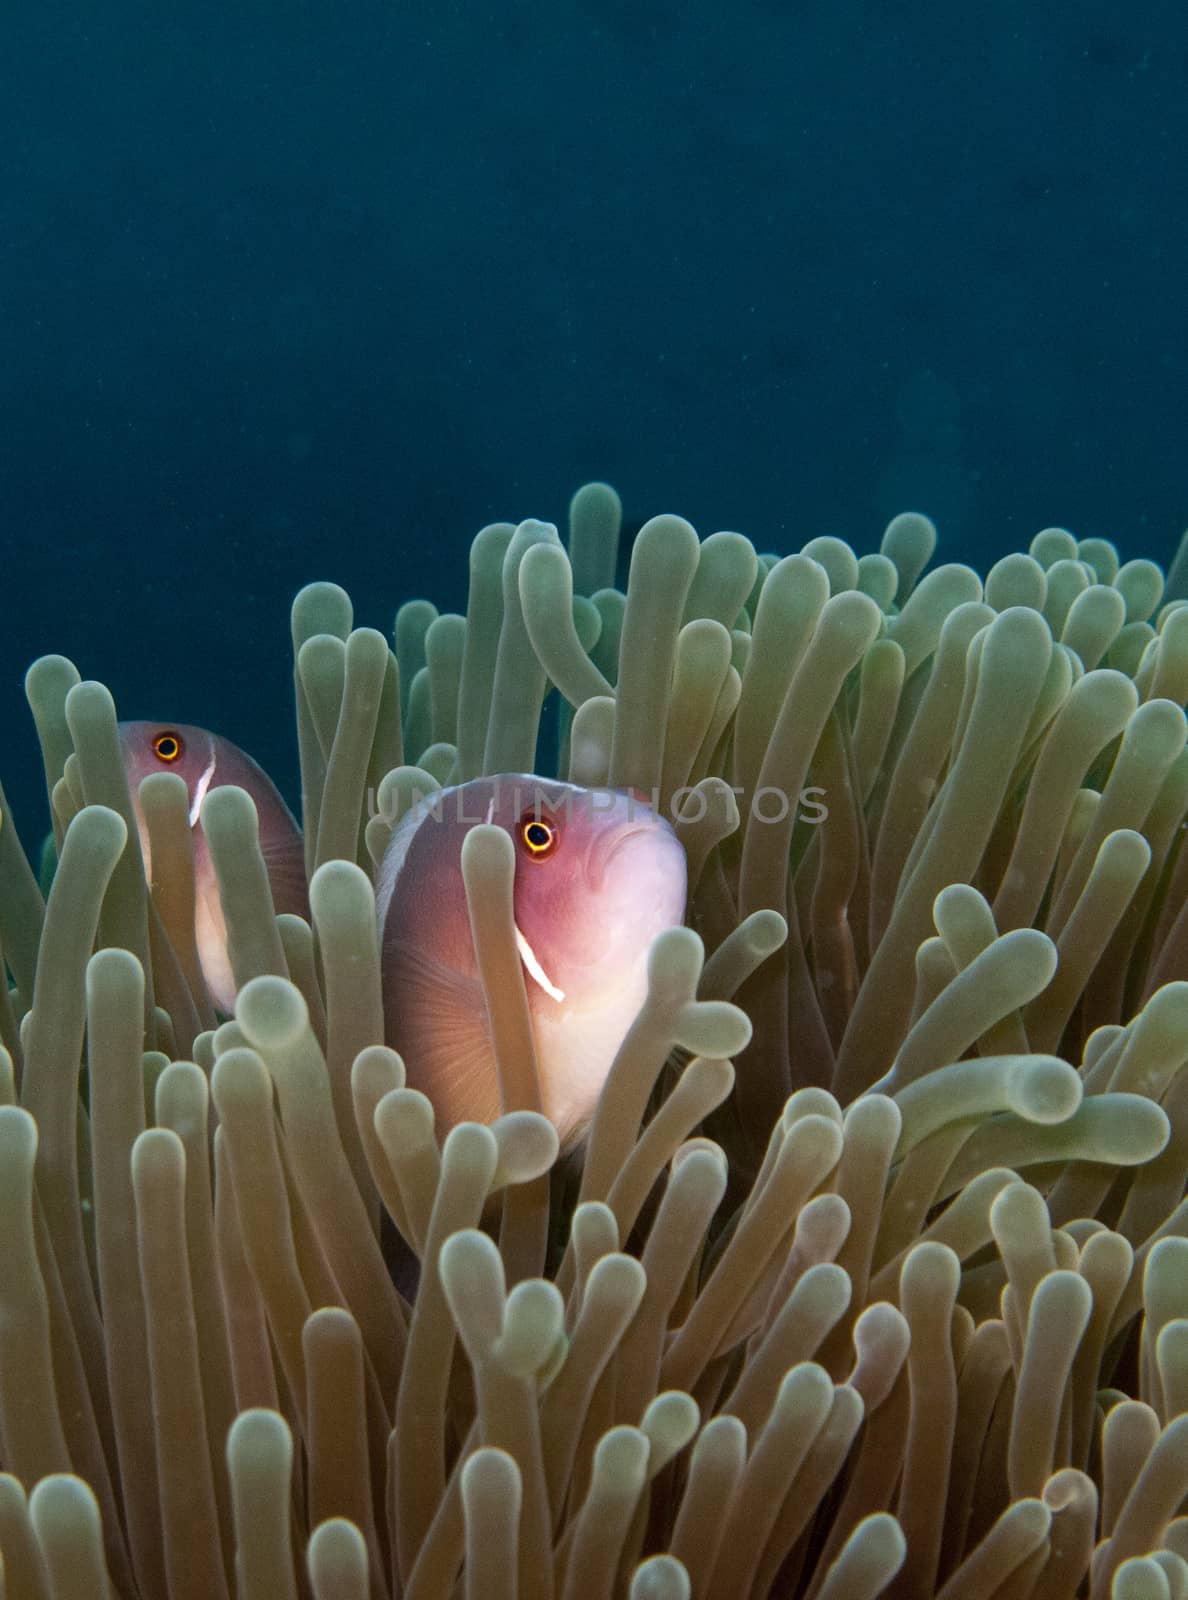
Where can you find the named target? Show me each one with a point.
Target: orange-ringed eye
(168, 747)
(538, 836)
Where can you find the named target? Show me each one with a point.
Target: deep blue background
(315, 291)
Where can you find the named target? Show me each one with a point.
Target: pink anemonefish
(598, 874)
(204, 761)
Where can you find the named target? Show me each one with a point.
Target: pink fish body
(598, 874)
(205, 761)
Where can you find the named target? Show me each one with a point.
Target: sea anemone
(872, 1274)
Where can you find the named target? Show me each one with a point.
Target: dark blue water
(316, 291)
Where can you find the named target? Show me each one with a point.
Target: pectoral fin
(438, 1022)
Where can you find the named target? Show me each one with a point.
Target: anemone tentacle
(872, 1276)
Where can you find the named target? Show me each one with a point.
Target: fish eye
(168, 746)
(538, 835)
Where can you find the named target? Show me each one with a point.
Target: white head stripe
(200, 791)
(528, 956)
